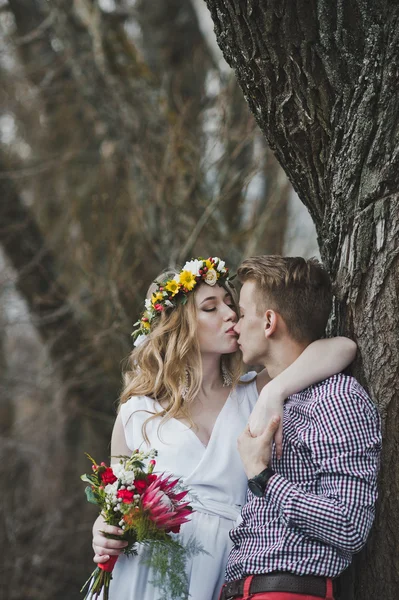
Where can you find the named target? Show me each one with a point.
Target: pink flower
(163, 505)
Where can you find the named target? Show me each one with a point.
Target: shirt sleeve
(344, 439)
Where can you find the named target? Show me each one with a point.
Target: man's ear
(270, 322)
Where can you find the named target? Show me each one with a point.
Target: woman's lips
(231, 331)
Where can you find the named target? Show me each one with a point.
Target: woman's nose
(230, 314)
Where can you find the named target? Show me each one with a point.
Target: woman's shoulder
(137, 403)
(249, 377)
(246, 388)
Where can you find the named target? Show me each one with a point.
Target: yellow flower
(209, 264)
(172, 286)
(145, 324)
(187, 280)
(156, 297)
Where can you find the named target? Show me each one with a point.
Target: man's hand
(269, 404)
(256, 452)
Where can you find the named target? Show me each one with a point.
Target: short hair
(299, 290)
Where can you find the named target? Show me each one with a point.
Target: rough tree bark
(321, 80)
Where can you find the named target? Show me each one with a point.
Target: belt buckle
(231, 591)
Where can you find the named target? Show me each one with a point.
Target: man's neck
(282, 356)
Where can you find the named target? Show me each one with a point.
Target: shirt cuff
(280, 492)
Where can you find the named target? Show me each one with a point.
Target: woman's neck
(211, 375)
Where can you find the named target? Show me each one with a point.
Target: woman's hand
(104, 547)
(269, 404)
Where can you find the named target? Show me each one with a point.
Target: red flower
(142, 484)
(126, 496)
(107, 476)
(158, 307)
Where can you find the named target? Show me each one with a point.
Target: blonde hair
(298, 289)
(170, 359)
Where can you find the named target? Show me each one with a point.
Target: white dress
(214, 474)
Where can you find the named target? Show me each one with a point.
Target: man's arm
(345, 442)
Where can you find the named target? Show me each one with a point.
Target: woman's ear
(270, 322)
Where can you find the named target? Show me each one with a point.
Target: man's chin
(245, 358)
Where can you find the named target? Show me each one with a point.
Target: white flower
(211, 277)
(169, 303)
(111, 488)
(117, 469)
(139, 339)
(128, 477)
(220, 266)
(148, 304)
(193, 266)
(177, 277)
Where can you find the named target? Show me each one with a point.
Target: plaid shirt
(318, 508)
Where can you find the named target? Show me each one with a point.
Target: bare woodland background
(125, 145)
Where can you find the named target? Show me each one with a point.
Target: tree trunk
(80, 367)
(321, 80)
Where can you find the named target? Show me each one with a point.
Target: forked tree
(321, 79)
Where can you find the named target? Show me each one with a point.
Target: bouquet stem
(100, 580)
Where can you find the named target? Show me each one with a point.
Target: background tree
(320, 79)
(123, 145)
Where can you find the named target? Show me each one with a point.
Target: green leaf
(86, 478)
(90, 495)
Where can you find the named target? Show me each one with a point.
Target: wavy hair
(170, 359)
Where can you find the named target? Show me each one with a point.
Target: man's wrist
(256, 469)
(258, 483)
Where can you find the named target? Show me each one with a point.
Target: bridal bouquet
(148, 508)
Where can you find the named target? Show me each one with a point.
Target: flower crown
(170, 293)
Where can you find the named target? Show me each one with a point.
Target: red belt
(308, 585)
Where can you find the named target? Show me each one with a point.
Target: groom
(308, 512)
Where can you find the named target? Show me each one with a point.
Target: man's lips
(231, 331)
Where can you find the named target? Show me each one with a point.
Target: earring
(184, 385)
(226, 375)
